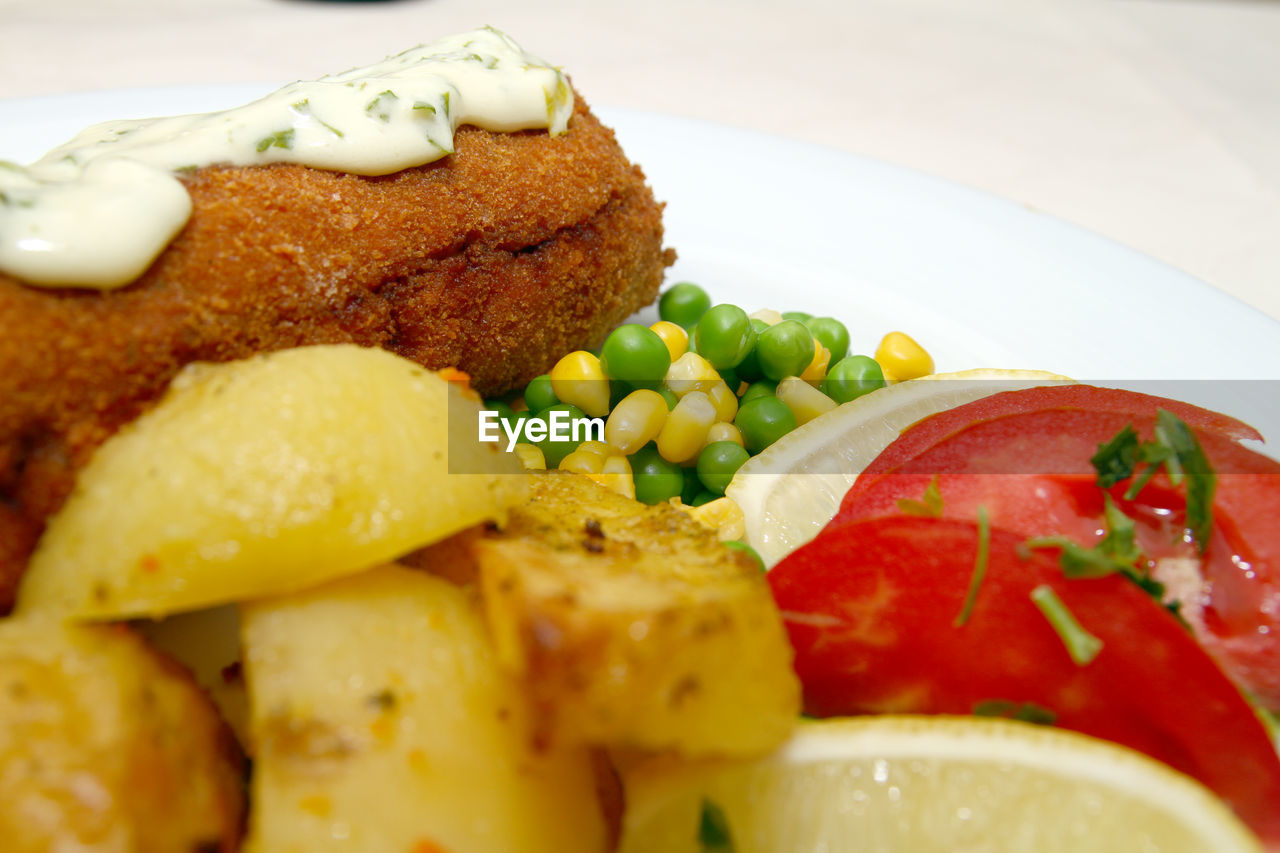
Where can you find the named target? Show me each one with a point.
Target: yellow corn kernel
(768, 315)
(725, 401)
(817, 369)
(691, 372)
(723, 431)
(583, 462)
(723, 515)
(616, 475)
(901, 358)
(686, 427)
(599, 448)
(804, 401)
(635, 421)
(531, 457)
(675, 337)
(578, 379)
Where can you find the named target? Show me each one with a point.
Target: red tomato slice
(1089, 398)
(871, 607)
(1038, 481)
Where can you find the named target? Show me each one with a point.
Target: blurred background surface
(1153, 122)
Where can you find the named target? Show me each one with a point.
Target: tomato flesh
(1031, 472)
(1087, 398)
(871, 609)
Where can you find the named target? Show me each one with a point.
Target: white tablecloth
(1153, 122)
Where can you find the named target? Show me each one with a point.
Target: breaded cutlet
(517, 248)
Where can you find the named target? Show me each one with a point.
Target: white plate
(770, 222)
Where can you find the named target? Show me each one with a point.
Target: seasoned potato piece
(633, 626)
(380, 722)
(267, 475)
(106, 746)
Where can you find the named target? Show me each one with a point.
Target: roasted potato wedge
(633, 626)
(106, 746)
(267, 475)
(381, 722)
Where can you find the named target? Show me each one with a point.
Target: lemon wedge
(922, 784)
(792, 489)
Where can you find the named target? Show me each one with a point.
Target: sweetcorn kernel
(901, 358)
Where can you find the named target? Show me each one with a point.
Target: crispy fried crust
(498, 259)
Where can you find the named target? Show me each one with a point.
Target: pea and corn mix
(689, 399)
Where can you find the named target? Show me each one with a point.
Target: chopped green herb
(1201, 480)
(425, 107)
(1153, 455)
(713, 829)
(1120, 541)
(1116, 459)
(380, 107)
(1078, 561)
(1117, 551)
(929, 507)
(1027, 712)
(1176, 449)
(979, 568)
(279, 139)
(1080, 644)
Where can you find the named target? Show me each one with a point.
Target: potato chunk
(106, 746)
(267, 475)
(380, 722)
(633, 626)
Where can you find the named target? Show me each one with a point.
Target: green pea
(749, 368)
(703, 497)
(505, 412)
(670, 396)
(683, 304)
(730, 377)
(556, 450)
(832, 334)
(762, 388)
(636, 355)
(539, 394)
(784, 349)
(617, 390)
(852, 377)
(798, 316)
(718, 462)
(725, 335)
(763, 421)
(749, 551)
(692, 485)
(656, 479)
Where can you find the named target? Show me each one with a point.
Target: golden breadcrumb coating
(517, 248)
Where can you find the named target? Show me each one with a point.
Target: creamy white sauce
(96, 211)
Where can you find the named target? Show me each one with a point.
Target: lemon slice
(921, 784)
(792, 489)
